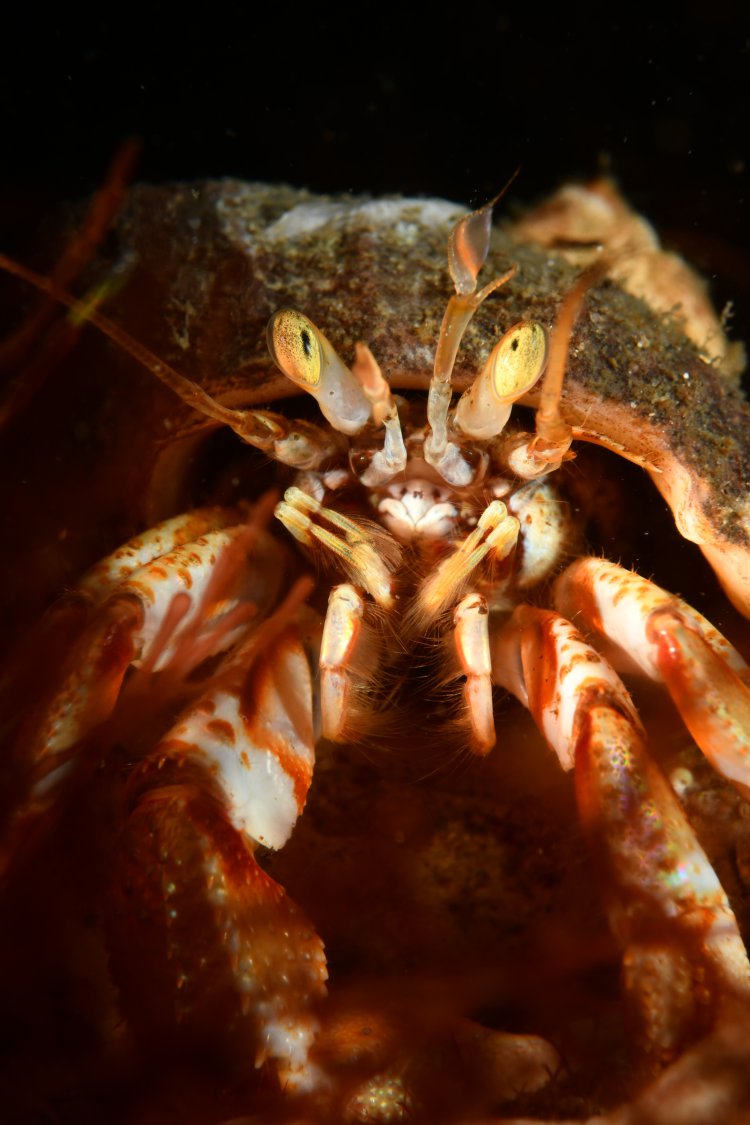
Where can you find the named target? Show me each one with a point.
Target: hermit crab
(392, 560)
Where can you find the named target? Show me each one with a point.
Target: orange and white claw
(104, 577)
(46, 648)
(173, 611)
(123, 632)
(675, 645)
(233, 772)
(252, 732)
(204, 945)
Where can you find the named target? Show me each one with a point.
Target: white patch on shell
(407, 216)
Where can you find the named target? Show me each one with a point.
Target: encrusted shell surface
(204, 266)
(214, 260)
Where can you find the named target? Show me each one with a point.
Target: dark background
(382, 100)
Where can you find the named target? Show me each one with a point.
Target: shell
(208, 263)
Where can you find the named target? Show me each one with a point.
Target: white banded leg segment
(214, 577)
(341, 634)
(674, 644)
(493, 538)
(368, 553)
(545, 662)
(255, 740)
(471, 620)
(158, 541)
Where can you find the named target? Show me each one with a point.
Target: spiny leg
(675, 645)
(685, 965)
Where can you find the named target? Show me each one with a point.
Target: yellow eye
(518, 359)
(294, 345)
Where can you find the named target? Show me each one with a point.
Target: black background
(382, 99)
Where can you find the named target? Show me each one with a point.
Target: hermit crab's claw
(307, 358)
(190, 905)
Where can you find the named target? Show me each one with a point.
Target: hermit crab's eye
(518, 360)
(309, 360)
(293, 343)
(515, 364)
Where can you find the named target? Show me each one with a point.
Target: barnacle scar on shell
(332, 646)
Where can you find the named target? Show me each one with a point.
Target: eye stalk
(307, 358)
(516, 363)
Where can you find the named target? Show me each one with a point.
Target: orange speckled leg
(685, 965)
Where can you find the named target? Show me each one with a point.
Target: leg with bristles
(346, 648)
(685, 966)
